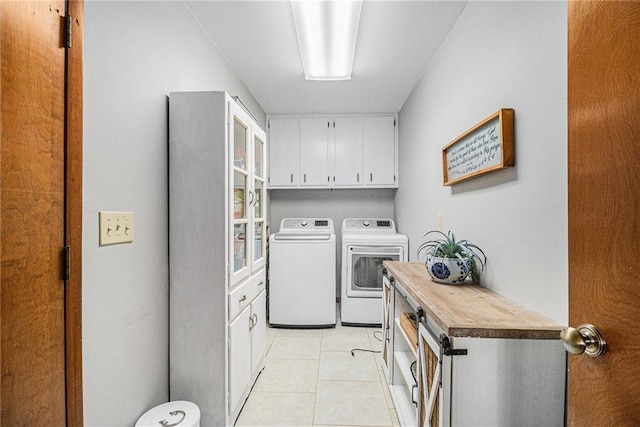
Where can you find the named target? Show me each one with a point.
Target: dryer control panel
(377, 225)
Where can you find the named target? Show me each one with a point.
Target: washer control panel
(307, 224)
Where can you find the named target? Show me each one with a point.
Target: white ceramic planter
(451, 271)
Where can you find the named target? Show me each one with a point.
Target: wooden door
(41, 203)
(604, 208)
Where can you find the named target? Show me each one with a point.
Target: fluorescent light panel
(327, 32)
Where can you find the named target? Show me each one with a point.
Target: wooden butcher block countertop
(469, 310)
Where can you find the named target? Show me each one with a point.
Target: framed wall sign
(486, 147)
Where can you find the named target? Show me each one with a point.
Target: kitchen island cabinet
(464, 355)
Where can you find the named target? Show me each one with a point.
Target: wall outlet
(115, 227)
(439, 222)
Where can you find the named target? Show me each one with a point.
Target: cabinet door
(239, 358)
(284, 152)
(431, 407)
(380, 151)
(347, 139)
(258, 201)
(387, 327)
(258, 331)
(314, 151)
(240, 181)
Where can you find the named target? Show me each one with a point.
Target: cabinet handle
(305, 177)
(251, 196)
(261, 283)
(371, 177)
(253, 321)
(243, 299)
(292, 178)
(414, 388)
(357, 177)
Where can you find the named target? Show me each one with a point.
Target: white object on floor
(179, 413)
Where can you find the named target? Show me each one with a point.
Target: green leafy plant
(446, 246)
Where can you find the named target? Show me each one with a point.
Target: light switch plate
(115, 227)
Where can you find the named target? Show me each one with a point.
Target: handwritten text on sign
(479, 150)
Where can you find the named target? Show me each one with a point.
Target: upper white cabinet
(379, 131)
(314, 151)
(347, 143)
(284, 155)
(345, 151)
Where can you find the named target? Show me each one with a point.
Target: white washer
(302, 273)
(366, 243)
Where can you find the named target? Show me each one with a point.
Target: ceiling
(396, 40)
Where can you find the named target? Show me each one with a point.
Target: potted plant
(451, 261)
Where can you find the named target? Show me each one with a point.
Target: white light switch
(115, 227)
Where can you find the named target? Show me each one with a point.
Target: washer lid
(179, 413)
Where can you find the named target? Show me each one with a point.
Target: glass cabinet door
(239, 134)
(248, 188)
(259, 188)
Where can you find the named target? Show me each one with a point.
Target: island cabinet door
(507, 382)
(434, 380)
(388, 317)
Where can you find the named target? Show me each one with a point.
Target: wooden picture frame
(486, 147)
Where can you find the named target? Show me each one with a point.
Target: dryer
(366, 244)
(302, 273)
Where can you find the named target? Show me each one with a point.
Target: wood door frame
(73, 214)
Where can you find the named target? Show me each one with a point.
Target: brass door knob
(585, 338)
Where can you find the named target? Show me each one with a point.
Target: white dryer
(366, 244)
(302, 273)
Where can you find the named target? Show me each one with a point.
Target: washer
(302, 273)
(366, 243)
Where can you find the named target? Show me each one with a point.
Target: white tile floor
(311, 379)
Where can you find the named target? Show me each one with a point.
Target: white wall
(498, 54)
(334, 204)
(135, 54)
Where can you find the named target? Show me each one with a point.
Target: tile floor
(311, 379)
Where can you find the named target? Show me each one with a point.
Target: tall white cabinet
(217, 252)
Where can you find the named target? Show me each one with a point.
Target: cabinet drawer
(243, 294)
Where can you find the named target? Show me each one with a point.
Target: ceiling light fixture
(327, 32)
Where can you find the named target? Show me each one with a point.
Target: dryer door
(364, 269)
